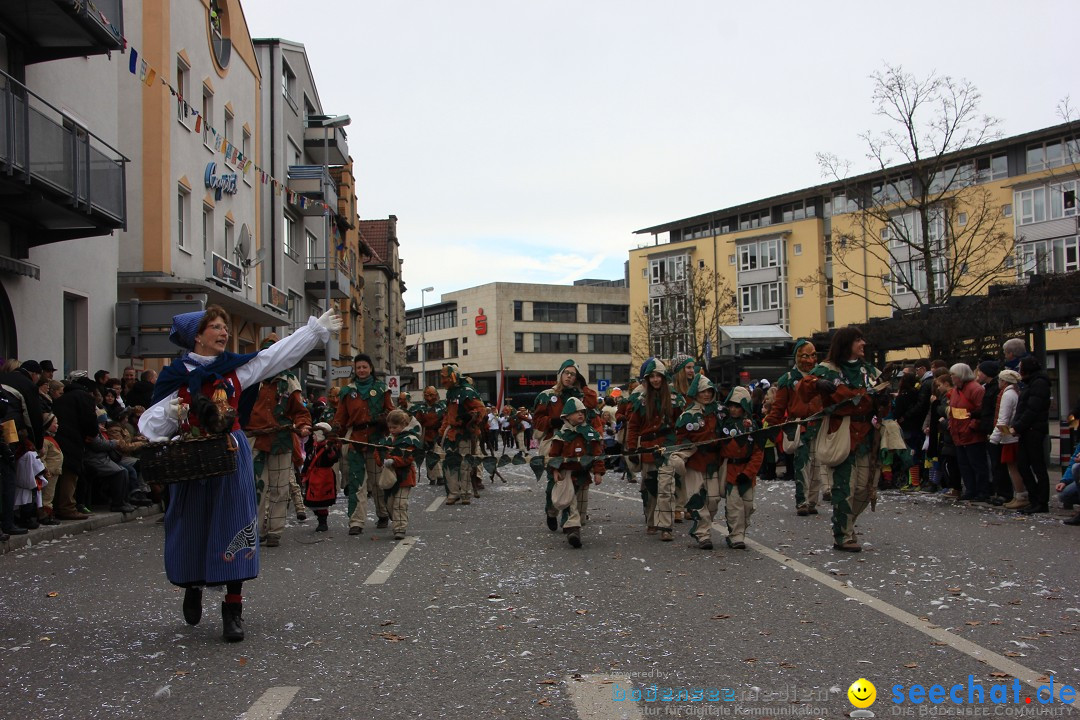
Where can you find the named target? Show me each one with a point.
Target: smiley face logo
(862, 693)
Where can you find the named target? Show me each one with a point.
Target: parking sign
(602, 386)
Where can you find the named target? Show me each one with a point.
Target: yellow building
(816, 258)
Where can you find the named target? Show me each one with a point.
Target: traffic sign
(340, 372)
(153, 313)
(602, 386)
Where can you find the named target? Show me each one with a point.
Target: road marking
(272, 703)
(435, 505)
(978, 652)
(593, 697)
(387, 566)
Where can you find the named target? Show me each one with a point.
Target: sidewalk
(72, 527)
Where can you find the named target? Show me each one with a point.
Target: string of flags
(148, 76)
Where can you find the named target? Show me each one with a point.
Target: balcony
(336, 148)
(59, 178)
(315, 278)
(312, 182)
(55, 29)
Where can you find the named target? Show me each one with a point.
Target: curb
(73, 527)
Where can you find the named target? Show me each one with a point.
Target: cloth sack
(790, 445)
(832, 448)
(562, 494)
(387, 478)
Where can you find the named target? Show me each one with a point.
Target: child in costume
(742, 455)
(701, 464)
(320, 485)
(406, 444)
(574, 441)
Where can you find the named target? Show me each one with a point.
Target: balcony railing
(41, 146)
(55, 29)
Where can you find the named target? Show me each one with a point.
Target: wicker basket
(176, 461)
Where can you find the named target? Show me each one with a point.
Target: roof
(378, 234)
(829, 187)
(755, 332)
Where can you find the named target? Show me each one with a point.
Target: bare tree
(922, 227)
(682, 314)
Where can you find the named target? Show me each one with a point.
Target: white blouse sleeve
(282, 355)
(156, 424)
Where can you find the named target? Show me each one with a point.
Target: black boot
(193, 605)
(232, 622)
(322, 524)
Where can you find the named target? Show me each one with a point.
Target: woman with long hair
(651, 425)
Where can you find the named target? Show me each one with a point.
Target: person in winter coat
(698, 425)
(651, 426)
(574, 443)
(405, 445)
(1031, 424)
(1004, 444)
(320, 485)
(846, 379)
(460, 432)
(742, 456)
(965, 413)
(77, 420)
(787, 405)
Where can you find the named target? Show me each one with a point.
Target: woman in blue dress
(211, 528)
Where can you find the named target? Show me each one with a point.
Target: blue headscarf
(172, 378)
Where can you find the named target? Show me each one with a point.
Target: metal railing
(42, 144)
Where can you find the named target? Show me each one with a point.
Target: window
(434, 350)
(183, 73)
(761, 218)
(828, 248)
(554, 312)
(991, 167)
(452, 348)
(431, 321)
(207, 228)
(668, 269)
(1042, 257)
(697, 231)
(910, 275)
(296, 310)
(207, 115)
(519, 342)
(731, 259)
(1063, 200)
(518, 309)
(670, 345)
(228, 239)
(183, 217)
(288, 242)
(229, 121)
(554, 342)
(412, 354)
(609, 343)
(614, 374)
(669, 310)
(961, 218)
(1032, 204)
(797, 249)
(829, 293)
(797, 211)
(611, 314)
(245, 148)
(314, 257)
(756, 298)
(1006, 210)
(288, 84)
(760, 254)
(844, 285)
(799, 291)
(294, 153)
(1052, 154)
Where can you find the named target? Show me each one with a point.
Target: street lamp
(331, 121)
(423, 327)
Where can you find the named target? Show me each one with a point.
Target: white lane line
(978, 652)
(593, 697)
(387, 566)
(272, 703)
(435, 505)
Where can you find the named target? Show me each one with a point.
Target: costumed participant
(518, 420)
(786, 406)
(846, 377)
(651, 425)
(429, 414)
(405, 445)
(701, 464)
(277, 418)
(574, 440)
(742, 455)
(211, 525)
(622, 418)
(362, 408)
(320, 485)
(404, 401)
(547, 418)
(460, 432)
(683, 372)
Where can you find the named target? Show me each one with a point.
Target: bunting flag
(133, 61)
(198, 124)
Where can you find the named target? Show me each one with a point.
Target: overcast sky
(526, 141)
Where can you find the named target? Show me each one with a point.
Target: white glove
(389, 463)
(330, 320)
(172, 410)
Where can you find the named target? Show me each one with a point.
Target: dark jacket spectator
(1033, 407)
(22, 381)
(908, 410)
(987, 377)
(78, 421)
(142, 390)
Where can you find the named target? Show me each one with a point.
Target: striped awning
(19, 267)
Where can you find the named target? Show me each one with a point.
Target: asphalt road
(482, 612)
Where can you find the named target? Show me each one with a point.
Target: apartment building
(511, 338)
(63, 180)
(384, 288)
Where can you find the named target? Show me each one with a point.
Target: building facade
(304, 144)
(511, 338)
(779, 256)
(384, 303)
(63, 180)
(195, 231)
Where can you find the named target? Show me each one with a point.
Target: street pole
(423, 346)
